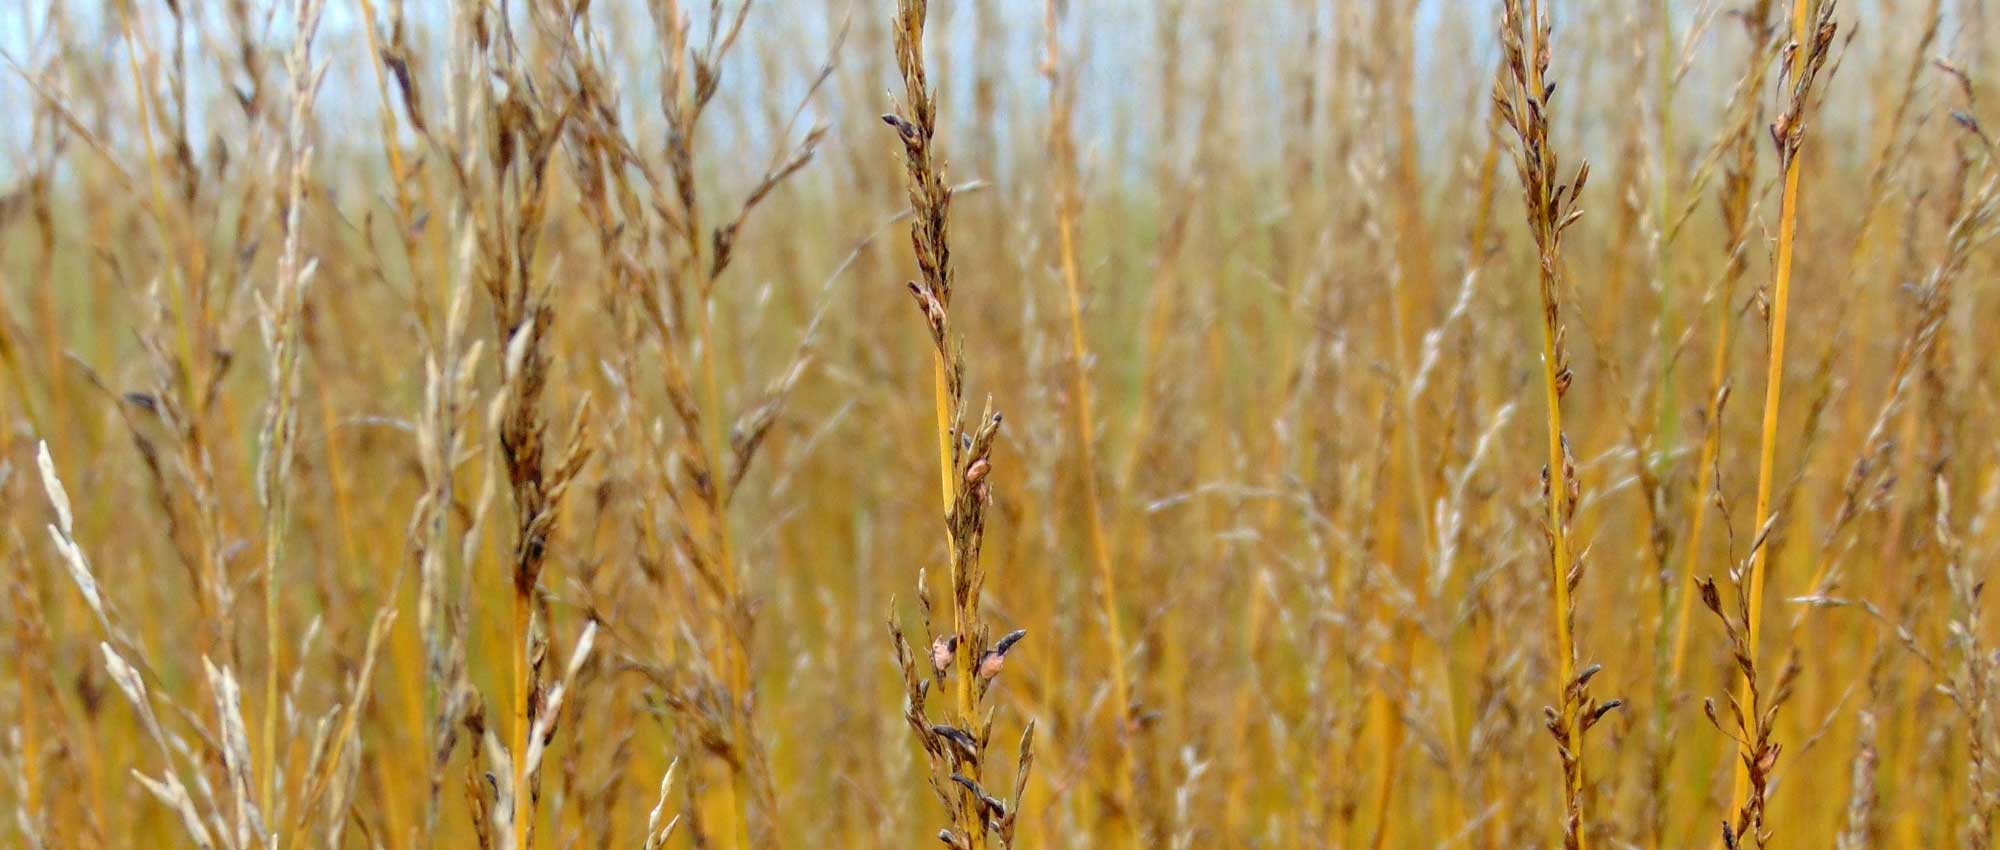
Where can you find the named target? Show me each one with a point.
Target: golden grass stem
(386, 112)
(730, 641)
(1101, 559)
(1559, 543)
(1557, 522)
(963, 702)
(1551, 209)
(272, 549)
(1063, 154)
(519, 706)
(1704, 480)
(182, 293)
(1736, 207)
(1781, 287)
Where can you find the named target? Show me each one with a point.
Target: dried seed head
(1598, 713)
(1709, 595)
(1781, 131)
(967, 746)
(941, 652)
(993, 806)
(990, 664)
(1768, 759)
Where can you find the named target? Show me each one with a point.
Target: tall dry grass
(506, 425)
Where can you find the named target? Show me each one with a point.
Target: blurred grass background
(1309, 306)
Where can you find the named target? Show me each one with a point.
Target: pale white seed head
(58, 497)
(79, 572)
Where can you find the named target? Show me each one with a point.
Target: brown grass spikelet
(1522, 99)
(965, 455)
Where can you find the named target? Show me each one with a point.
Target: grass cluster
(510, 424)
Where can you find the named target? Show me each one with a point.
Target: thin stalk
(519, 684)
(1557, 523)
(1736, 206)
(1063, 154)
(282, 338)
(1475, 252)
(1781, 287)
(1773, 387)
(182, 293)
(965, 708)
(1559, 547)
(1551, 209)
(943, 405)
(272, 552)
(1107, 579)
(964, 494)
(1663, 201)
(735, 660)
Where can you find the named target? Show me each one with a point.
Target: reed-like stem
(1554, 380)
(1067, 201)
(1736, 193)
(1781, 288)
(957, 750)
(1552, 208)
(518, 708)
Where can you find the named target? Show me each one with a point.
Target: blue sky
(1116, 37)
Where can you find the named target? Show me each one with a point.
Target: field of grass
(890, 423)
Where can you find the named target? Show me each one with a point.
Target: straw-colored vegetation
(512, 425)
